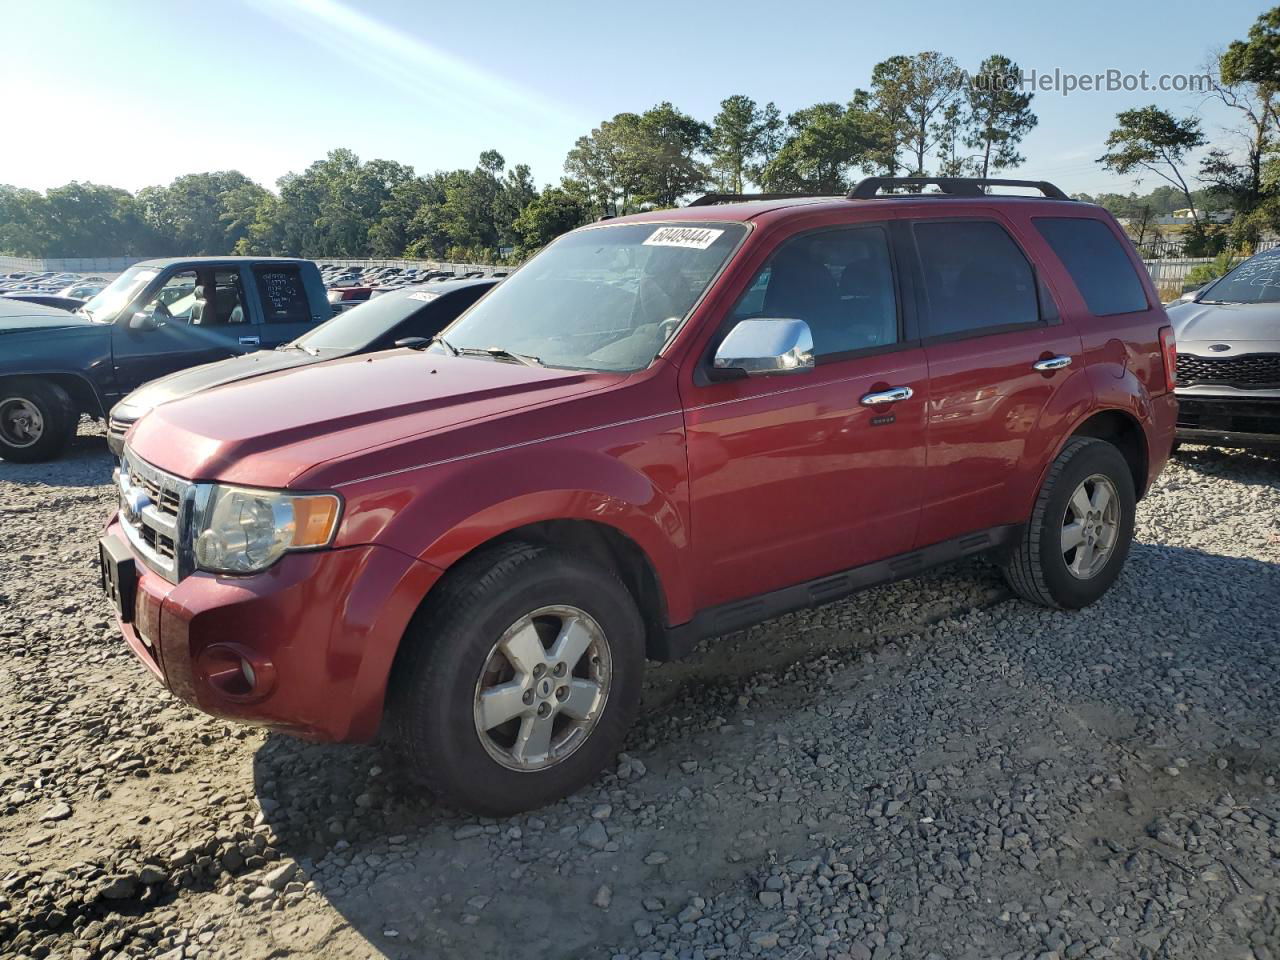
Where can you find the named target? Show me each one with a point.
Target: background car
(58, 300)
(377, 324)
(1229, 357)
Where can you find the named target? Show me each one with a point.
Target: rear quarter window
(1098, 264)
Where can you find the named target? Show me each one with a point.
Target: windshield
(360, 326)
(1257, 280)
(605, 298)
(106, 305)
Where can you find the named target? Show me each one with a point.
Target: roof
(170, 261)
(751, 210)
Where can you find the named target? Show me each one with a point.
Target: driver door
(187, 317)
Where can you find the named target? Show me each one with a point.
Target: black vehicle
(1228, 338)
(377, 324)
(157, 317)
(45, 299)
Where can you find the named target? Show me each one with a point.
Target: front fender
(638, 487)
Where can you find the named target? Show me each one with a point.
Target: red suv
(663, 427)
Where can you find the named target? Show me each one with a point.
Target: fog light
(235, 672)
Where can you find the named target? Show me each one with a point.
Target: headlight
(242, 530)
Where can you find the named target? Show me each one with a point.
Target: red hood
(270, 430)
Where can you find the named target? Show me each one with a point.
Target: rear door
(997, 349)
(793, 477)
(281, 302)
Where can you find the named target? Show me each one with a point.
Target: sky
(137, 92)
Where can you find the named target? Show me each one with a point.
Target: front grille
(153, 509)
(1257, 370)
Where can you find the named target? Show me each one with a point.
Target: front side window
(175, 300)
(975, 278)
(839, 282)
(606, 298)
(1097, 263)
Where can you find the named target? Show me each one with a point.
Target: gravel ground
(928, 770)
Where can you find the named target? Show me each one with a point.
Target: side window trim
(1043, 319)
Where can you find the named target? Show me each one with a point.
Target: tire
(453, 653)
(37, 419)
(1039, 568)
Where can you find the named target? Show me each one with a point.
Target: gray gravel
(929, 770)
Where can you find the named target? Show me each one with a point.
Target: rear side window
(976, 279)
(1097, 264)
(284, 300)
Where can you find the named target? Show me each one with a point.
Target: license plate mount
(119, 574)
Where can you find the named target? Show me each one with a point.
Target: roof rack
(870, 187)
(711, 199)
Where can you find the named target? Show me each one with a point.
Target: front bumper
(328, 624)
(1232, 421)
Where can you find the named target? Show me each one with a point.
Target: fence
(1161, 249)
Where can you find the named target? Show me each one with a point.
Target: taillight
(1169, 350)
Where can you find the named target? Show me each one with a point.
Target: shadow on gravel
(1143, 680)
(86, 462)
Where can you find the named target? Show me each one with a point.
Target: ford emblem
(1219, 347)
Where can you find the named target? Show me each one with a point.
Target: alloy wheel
(543, 688)
(1090, 526)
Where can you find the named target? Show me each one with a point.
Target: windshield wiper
(498, 353)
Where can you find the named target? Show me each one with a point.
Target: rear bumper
(1229, 420)
(326, 625)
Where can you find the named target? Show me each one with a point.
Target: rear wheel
(37, 418)
(1076, 542)
(520, 679)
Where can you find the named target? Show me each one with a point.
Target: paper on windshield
(426, 296)
(692, 238)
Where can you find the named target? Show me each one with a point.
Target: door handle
(892, 395)
(257, 341)
(1053, 363)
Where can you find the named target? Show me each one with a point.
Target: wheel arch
(1123, 431)
(83, 392)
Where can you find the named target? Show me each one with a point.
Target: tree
(200, 214)
(638, 161)
(555, 211)
(822, 145)
(742, 133)
(1246, 79)
(1153, 140)
(999, 114)
(912, 96)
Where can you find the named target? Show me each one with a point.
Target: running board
(676, 642)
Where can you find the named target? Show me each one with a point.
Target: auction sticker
(695, 238)
(426, 296)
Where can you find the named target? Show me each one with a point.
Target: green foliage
(999, 115)
(1152, 140)
(744, 139)
(1204, 272)
(555, 211)
(641, 161)
(821, 147)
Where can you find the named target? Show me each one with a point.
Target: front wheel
(519, 680)
(1076, 542)
(37, 419)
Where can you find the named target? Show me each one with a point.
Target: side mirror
(763, 347)
(143, 321)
